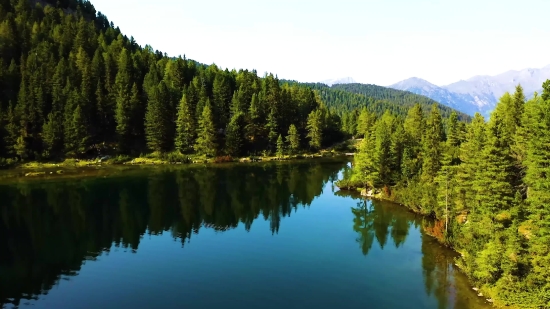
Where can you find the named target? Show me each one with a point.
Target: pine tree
(158, 128)
(272, 126)
(235, 135)
(11, 131)
(254, 126)
(365, 122)
(365, 170)
(123, 114)
(52, 134)
(280, 146)
(412, 153)
(137, 114)
(471, 156)
(76, 135)
(221, 99)
(537, 179)
(206, 139)
(293, 139)
(314, 127)
(383, 154)
(432, 150)
(185, 127)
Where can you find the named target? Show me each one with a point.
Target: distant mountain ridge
(479, 93)
(337, 81)
(377, 99)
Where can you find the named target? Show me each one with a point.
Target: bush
(120, 159)
(5, 163)
(175, 156)
(348, 184)
(223, 159)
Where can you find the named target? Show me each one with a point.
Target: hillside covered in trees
(486, 183)
(377, 99)
(72, 85)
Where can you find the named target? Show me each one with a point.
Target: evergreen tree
(52, 134)
(365, 122)
(206, 139)
(280, 146)
(76, 134)
(123, 115)
(314, 127)
(293, 139)
(11, 131)
(537, 179)
(412, 154)
(185, 127)
(235, 135)
(383, 156)
(158, 127)
(254, 127)
(494, 189)
(432, 149)
(272, 126)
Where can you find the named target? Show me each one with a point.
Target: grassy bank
(156, 159)
(341, 149)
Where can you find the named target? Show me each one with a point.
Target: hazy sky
(373, 41)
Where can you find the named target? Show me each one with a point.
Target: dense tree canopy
(486, 184)
(74, 86)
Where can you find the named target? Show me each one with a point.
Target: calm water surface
(232, 236)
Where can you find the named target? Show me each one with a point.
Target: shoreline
(112, 161)
(91, 168)
(379, 195)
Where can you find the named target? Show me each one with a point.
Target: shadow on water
(49, 229)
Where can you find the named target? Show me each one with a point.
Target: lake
(266, 235)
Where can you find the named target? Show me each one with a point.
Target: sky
(373, 41)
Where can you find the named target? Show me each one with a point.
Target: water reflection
(375, 221)
(48, 229)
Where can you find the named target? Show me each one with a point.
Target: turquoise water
(230, 236)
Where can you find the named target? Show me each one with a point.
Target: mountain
(462, 102)
(479, 93)
(344, 80)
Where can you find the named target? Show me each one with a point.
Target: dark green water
(232, 236)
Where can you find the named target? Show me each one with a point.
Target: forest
(73, 86)
(351, 98)
(486, 183)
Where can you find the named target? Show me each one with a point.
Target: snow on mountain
(478, 93)
(344, 80)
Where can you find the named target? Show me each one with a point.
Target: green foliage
(185, 127)
(280, 146)
(76, 138)
(235, 135)
(314, 128)
(293, 139)
(431, 144)
(206, 141)
(376, 99)
(486, 184)
(158, 123)
(52, 62)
